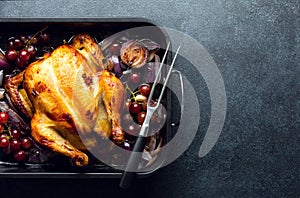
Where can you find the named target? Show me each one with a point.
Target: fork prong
(168, 75)
(157, 74)
(165, 81)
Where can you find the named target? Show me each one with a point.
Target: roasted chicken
(67, 93)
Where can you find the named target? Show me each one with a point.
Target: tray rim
(80, 20)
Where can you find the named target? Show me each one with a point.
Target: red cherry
(26, 143)
(23, 38)
(34, 41)
(32, 51)
(45, 38)
(20, 63)
(11, 55)
(141, 117)
(24, 55)
(17, 43)
(4, 135)
(135, 108)
(4, 142)
(10, 43)
(15, 133)
(3, 117)
(15, 145)
(144, 105)
(20, 155)
(135, 77)
(14, 43)
(145, 89)
(126, 145)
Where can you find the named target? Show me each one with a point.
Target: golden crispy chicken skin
(71, 94)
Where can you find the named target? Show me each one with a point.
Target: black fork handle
(133, 162)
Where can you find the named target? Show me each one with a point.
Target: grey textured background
(256, 45)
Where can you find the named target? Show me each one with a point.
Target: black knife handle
(133, 162)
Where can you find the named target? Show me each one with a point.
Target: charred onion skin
(134, 54)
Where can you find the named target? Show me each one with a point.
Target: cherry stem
(30, 40)
(132, 93)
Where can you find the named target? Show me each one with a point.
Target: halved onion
(151, 46)
(3, 63)
(134, 54)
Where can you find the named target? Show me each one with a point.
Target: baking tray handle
(175, 71)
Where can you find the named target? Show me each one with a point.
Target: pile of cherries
(138, 107)
(134, 114)
(12, 141)
(135, 108)
(23, 49)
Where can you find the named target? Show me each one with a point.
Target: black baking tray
(62, 28)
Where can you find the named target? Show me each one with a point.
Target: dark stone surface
(256, 45)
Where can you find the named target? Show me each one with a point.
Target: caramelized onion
(151, 46)
(134, 54)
